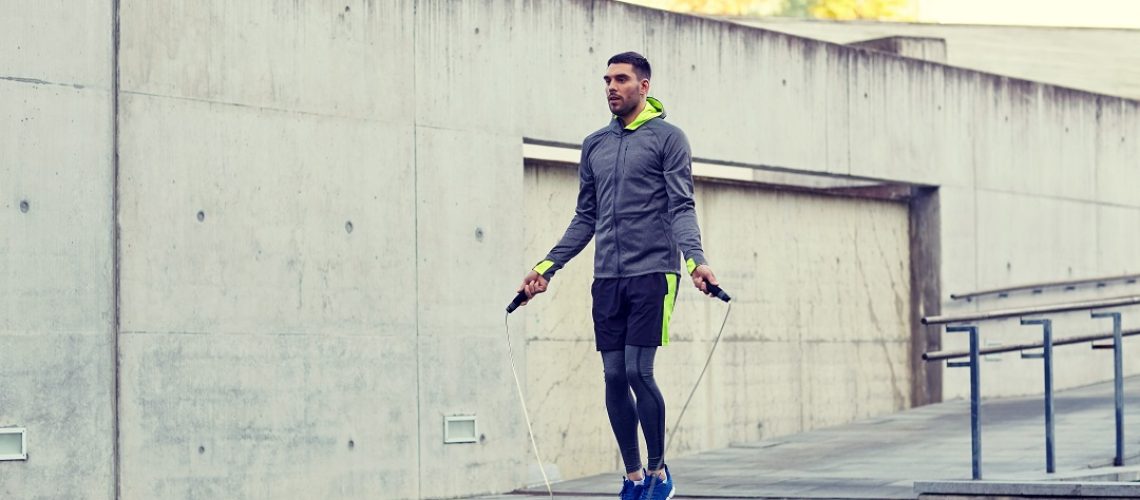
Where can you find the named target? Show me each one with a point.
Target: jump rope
(521, 297)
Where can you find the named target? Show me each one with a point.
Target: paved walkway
(883, 457)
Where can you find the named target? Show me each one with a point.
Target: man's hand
(533, 284)
(701, 275)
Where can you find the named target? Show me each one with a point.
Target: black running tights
(633, 368)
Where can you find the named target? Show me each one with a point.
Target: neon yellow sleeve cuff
(543, 266)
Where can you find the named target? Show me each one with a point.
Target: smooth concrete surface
(314, 419)
(358, 173)
(1025, 489)
(58, 44)
(348, 59)
(884, 457)
(927, 49)
(58, 387)
(57, 303)
(262, 259)
(469, 187)
(1094, 59)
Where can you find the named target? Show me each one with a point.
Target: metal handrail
(1037, 287)
(941, 355)
(1033, 310)
(967, 323)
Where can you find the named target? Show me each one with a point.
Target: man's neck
(629, 118)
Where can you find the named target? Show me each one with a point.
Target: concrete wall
(56, 247)
(1099, 60)
(927, 49)
(267, 350)
(295, 318)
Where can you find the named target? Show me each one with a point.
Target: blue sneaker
(657, 489)
(630, 490)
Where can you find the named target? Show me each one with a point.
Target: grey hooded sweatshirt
(636, 197)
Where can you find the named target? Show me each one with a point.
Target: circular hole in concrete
(476, 30)
(351, 444)
(346, 9)
(24, 206)
(348, 227)
(201, 450)
(201, 216)
(479, 234)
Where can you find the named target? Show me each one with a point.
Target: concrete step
(990, 490)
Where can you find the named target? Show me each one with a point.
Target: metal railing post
(1047, 327)
(975, 397)
(968, 323)
(1118, 381)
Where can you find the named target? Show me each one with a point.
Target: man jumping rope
(636, 196)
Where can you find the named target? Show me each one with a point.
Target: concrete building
(1100, 60)
(261, 249)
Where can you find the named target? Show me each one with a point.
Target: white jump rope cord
(522, 401)
(676, 424)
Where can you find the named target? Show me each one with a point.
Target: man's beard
(627, 107)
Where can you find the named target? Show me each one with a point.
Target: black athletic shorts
(633, 311)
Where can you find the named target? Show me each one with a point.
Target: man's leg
(609, 314)
(650, 403)
(622, 412)
(651, 299)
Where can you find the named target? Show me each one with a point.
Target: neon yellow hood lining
(653, 109)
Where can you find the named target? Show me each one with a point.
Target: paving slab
(1034, 489)
(883, 457)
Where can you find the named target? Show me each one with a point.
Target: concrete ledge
(1025, 489)
(1127, 473)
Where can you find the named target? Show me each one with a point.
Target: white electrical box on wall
(460, 429)
(13, 443)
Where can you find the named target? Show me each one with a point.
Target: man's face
(623, 88)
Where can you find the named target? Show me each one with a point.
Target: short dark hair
(639, 62)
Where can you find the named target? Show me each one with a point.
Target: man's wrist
(692, 263)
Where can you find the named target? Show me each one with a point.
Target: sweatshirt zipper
(617, 193)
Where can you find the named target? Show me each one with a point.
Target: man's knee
(638, 374)
(638, 368)
(615, 373)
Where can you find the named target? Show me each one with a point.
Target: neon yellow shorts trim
(670, 301)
